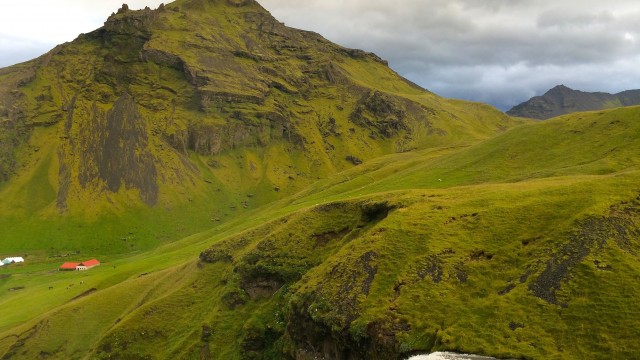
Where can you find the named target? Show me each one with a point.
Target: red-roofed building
(86, 265)
(68, 266)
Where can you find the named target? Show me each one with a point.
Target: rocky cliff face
(113, 149)
(12, 114)
(562, 100)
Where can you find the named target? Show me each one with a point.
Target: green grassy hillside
(166, 122)
(524, 245)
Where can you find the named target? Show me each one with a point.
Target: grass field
(524, 245)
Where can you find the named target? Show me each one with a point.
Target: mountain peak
(213, 80)
(562, 100)
(560, 89)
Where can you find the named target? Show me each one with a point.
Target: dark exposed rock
(64, 180)
(163, 58)
(447, 251)
(361, 54)
(332, 74)
(526, 242)
(525, 276)
(329, 128)
(314, 338)
(397, 288)
(431, 266)
(22, 339)
(280, 87)
(375, 212)
(262, 287)
(206, 333)
(208, 97)
(381, 112)
(240, 3)
(317, 339)
(85, 293)
(507, 289)
(254, 129)
(354, 160)
(116, 150)
(460, 272)
(132, 23)
(123, 9)
(562, 100)
(213, 255)
(9, 139)
(479, 254)
(601, 266)
(257, 339)
(324, 238)
(233, 299)
(355, 281)
(592, 234)
(14, 127)
(370, 270)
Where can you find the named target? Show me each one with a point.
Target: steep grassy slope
(525, 245)
(167, 121)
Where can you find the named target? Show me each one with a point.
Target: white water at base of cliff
(449, 356)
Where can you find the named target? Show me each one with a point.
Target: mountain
(165, 121)
(562, 100)
(256, 192)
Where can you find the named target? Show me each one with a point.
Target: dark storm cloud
(496, 51)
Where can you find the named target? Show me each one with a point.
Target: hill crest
(562, 100)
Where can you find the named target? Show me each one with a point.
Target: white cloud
(629, 37)
(497, 51)
(29, 28)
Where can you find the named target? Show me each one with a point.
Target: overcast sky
(497, 51)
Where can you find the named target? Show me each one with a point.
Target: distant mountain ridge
(562, 100)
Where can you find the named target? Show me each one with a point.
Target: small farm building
(69, 266)
(86, 265)
(11, 260)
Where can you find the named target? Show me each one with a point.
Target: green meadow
(524, 245)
